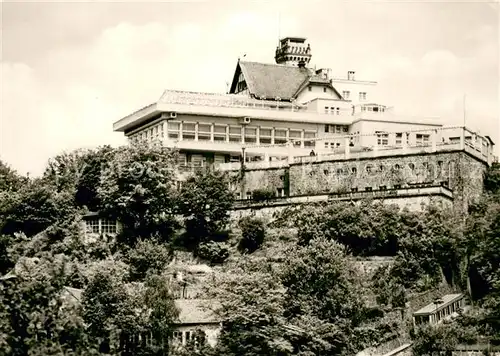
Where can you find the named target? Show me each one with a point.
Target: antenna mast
(464, 109)
(279, 27)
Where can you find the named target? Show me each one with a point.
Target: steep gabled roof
(317, 79)
(270, 80)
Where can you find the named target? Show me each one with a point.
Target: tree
(205, 200)
(137, 189)
(10, 180)
(251, 298)
(34, 317)
(252, 234)
(215, 252)
(33, 208)
(94, 164)
(322, 294)
(148, 256)
(492, 179)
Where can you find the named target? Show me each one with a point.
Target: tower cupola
(293, 51)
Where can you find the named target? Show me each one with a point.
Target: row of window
(150, 134)
(346, 94)
(190, 131)
(377, 108)
(184, 337)
(101, 226)
(337, 129)
(371, 169)
(133, 342)
(383, 139)
(441, 314)
(280, 193)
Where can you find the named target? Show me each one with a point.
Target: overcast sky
(69, 70)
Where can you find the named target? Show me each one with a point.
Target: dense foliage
(205, 200)
(252, 234)
(299, 293)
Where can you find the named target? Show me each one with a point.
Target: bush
(215, 252)
(263, 194)
(253, 233)
(148, 256)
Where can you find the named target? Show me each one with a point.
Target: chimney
(350, 75)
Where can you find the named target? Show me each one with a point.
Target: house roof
(445, 301)
(269, 81)
(196, 311)
(317, 79)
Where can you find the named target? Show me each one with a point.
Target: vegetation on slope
(283, 291)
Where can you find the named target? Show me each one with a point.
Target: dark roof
(270, 81)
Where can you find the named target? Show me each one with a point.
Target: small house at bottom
(196, 315)
(96, 225)
(445, 308)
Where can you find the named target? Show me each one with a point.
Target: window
(92, 226)
(382, 138)
(354, 170)
(295, 136)
(249, 195)
(327, 110)
(177, 336)
(173, 130)
(188, 131)
(197, 160)
(309, 135)
(397, 186)
(182, 159)
(346, 94)
(326, 128)
(362, 95)
(327, 144)
(396, 166)
(338, 111)
(101, 226)
(368, 169)
(265, 135)
(280, 192)
(250, 134)
(279, 136)
(354, 190)
(345, 129)
(368, 189)
(324, 89)
(422, 140)
(399, 138)
(381, 168)
(108, 226)
(338, 129)
(309, 88)
(411, 166)
(326, 172)
(235, 134)
(204, 132)
(339, 171)
(219, 133)
(383, 187)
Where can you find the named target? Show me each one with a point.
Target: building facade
(291, 118)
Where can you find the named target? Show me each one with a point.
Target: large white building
(275, 111)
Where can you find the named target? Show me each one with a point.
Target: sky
(71, 69)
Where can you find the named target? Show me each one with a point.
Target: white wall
(354, 87)
(316, 92)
